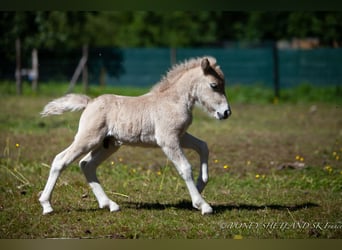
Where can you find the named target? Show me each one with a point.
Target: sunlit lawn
(254, 188)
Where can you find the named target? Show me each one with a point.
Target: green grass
(251, 196)
(54, 89)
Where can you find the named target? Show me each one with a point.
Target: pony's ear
(205, 65)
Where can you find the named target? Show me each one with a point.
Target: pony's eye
(214, 86)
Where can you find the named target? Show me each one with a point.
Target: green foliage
(55, 89)
(62, 31)
(260, 26)
(250, 94)
(303, 93)
(324, 25)
(50, 29)
(306, 93)
(147, 29)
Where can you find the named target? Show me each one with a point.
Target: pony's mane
(177, 70)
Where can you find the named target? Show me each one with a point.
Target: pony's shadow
(218, 208)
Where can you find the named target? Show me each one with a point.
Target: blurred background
(275, 50)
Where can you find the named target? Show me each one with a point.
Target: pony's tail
(70, 102)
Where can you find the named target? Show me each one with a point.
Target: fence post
(85, 69)
(79, 69)
(173, 56)
(276, 70)
(34, 71)
(18, 66)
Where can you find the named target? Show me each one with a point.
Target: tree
(65, 29)
(147, 28)
(324, 25)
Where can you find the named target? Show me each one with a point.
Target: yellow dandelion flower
(158, 173)
(112, 163)
(334, 153)
(257, 176)
(237, 237)
(337, 157)
(226, 166)
(17, 145)
(297, 157)
(216, 161)
(328, 168)
(301, 159)
(120, 159)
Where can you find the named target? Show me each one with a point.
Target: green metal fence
(317, 66)
(145, 66)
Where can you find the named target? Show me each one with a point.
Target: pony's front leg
(191, 142)
(175, 154)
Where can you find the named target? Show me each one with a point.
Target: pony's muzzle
(225, 114)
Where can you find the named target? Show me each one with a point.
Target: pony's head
(210, 91)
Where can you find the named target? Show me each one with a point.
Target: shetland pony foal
(158, 118)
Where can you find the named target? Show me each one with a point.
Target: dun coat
(158, 118)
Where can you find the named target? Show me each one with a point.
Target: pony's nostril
(226, 114)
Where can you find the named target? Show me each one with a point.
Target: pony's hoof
(45, 212)
(47, 209)
(206, 209)
(113, 207)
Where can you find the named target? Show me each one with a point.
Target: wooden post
(85, 69)
(34, 71)
(18, 66)
(78, 71)
(173, 56)
(102, 78)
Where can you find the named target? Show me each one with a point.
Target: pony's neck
(184, 88)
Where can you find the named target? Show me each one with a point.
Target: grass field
(255, 187)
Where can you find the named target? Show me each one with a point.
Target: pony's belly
(124, 136)
(139, 140)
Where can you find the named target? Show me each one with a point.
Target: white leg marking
(176, 155)
(191, 142)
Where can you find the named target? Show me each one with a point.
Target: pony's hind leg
(89, 165)
(82, 144)
(59, 163)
